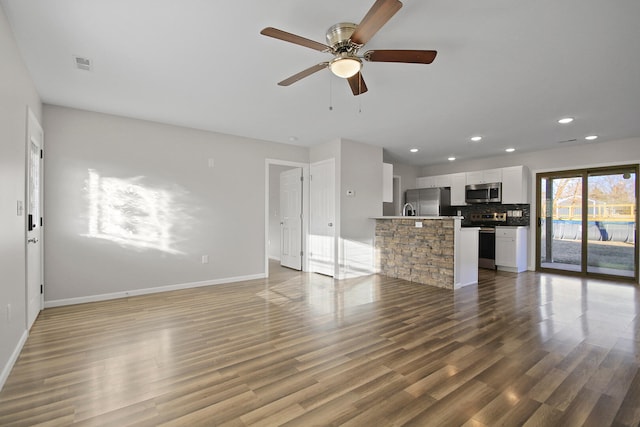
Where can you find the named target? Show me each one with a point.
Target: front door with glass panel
(33, 207)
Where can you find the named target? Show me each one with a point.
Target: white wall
(113, 183)
(17, 92)
(361, 173)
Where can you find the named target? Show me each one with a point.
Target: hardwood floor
(302, 349)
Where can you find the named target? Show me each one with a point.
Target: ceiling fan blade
(407, 56)
(292, 38)
(378, 15)
(358, 86)
(302, 74)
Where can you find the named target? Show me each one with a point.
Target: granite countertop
(418, 217)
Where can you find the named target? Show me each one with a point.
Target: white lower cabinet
(511, 248)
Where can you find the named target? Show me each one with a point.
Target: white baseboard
(12, 360)
(125, 294)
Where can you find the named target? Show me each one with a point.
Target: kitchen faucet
(404, 209)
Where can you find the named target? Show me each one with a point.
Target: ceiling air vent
(82, 63)
(567, 140)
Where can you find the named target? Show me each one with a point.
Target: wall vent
(82, 63)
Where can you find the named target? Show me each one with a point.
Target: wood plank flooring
(302, 349)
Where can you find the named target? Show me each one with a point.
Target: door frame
(305, 208)
(33, 123)
(584, 172)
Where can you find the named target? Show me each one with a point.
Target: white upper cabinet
(458, 181)
(433, 181)
(485, 176)
(455, 181)
(424, 182)
(515, 185)
(514, 179)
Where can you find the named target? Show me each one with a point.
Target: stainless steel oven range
(487, 236)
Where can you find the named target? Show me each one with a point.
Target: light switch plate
(418, 224)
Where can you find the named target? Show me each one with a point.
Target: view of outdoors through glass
(609, 214)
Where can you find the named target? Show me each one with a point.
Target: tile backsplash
(516, 214)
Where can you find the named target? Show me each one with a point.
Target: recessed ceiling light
(476, 138)
(451, 159)
(591, 137)
(510, 150)
(565, 120)
(414, 150)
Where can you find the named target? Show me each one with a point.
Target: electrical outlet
(418, 224)
(211, 163)
(205, 259)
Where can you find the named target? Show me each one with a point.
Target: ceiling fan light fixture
(345, 66)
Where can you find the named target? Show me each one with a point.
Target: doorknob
(330, 224)
(33, 240)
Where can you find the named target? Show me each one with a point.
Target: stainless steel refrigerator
(430, 201)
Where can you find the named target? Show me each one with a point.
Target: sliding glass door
(561, 222)
(587, 221)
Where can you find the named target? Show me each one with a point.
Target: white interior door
(322, 217)
(291, 218)
(33, 208)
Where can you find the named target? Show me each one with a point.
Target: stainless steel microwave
(483, 193)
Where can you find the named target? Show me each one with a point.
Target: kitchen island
(431, 250)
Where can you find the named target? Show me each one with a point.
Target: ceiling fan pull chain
(359, 99)
(330, 93)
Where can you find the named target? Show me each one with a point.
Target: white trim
(12, 359)
(125, 294)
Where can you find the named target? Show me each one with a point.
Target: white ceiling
(506, 70)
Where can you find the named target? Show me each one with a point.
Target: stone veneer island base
(433, 251)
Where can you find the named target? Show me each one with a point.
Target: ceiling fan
(346, 39)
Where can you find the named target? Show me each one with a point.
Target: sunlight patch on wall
(124, 211)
